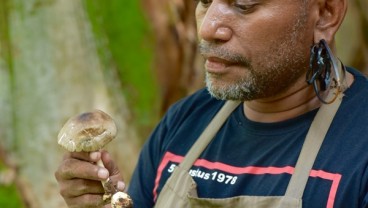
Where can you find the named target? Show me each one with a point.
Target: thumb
(114, 172)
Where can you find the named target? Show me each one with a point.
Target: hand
(80, 178)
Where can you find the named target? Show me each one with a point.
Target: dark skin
(80, 178)
(238, 27)
(260, 32)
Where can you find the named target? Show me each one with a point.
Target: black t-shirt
(257, 159)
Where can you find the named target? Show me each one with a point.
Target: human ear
(329, 18)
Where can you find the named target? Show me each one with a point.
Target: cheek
(261, 34)
(264, 30)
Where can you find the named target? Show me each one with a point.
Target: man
(258, 52)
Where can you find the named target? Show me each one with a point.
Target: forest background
(132, 59)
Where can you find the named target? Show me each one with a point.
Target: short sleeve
(143, 179)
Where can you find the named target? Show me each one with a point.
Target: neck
(296, 101)
(280, 108)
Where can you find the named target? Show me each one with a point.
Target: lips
(217, 65)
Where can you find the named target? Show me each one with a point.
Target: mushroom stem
(107, 184)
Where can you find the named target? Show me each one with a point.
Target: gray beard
(241, 90)
(275, 73)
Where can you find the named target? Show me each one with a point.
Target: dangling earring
(320, 75)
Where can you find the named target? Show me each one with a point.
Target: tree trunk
(352, 38)
(179, 68)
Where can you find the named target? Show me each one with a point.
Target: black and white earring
(325, 72)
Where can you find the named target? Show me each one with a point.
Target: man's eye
(204, 2)
(245, 7)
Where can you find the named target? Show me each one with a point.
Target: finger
(109, 163)
(120, 186)
(115, 175)
(86, 201)
(85, 156)
(71, 168)
(78, 187)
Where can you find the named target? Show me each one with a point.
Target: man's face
(253, 48)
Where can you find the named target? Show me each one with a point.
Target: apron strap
(208, 134)
(311, 146)
(310, 149)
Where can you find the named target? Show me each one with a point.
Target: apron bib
(180, 190)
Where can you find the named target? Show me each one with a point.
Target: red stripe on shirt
(170, 157)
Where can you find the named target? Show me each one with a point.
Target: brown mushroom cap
(87, 132)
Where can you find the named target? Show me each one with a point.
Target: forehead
(273, 8)
(276, 4)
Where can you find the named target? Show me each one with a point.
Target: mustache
(207, 49)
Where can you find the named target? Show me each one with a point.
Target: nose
(213, 25)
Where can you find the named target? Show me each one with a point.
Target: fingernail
(120, 185)
(95, 156)
(103, 173)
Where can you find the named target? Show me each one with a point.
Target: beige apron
(180, 191)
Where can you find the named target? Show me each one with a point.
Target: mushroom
(89, 132)
(121, 200)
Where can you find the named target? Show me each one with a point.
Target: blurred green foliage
(9, 197)
(126, 45)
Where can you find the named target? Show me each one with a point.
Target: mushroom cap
(87, 132)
